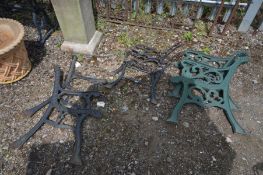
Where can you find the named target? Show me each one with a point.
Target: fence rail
(172, 7)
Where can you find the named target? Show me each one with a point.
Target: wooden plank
(213, 12)
(200, 12)
(148, 6)
(228, 12)
(261, 27)
(137, 7)
(134, 5)
(232, 14)
(123, 4)
(108, 9)
(216, 18)
(159, 8)
(250, 15)
(173, 8)
(102, 3)
(186, 10)
(113, 4)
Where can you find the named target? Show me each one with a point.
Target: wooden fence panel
(148, 6)
(173, 6)
(159, 7)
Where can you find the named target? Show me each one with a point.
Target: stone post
(77, 23)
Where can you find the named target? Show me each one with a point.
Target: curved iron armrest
(142, 55)
(151, 54)
(214, 61)
(208, 74)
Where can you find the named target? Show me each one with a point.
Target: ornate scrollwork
(202, 72)
(205, 81)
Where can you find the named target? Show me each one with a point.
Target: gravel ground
(133, 136)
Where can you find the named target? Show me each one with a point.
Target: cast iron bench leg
(76, 152)
(235, 125)
(181, 87)
(233, 106)
(32, 111)
(176, 111)
(155, 78)
(176, 91)
(18, 143)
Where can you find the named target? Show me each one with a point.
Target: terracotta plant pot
(14, 62)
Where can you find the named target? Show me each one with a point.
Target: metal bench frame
(204, 81)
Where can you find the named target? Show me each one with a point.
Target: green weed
(145, 18)
(58, 45)
(206, 50)
(126, 40)
(80, 57)
(201, 28)
(101, 24)
(188, 36)
(120, 53)
(133, 15)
